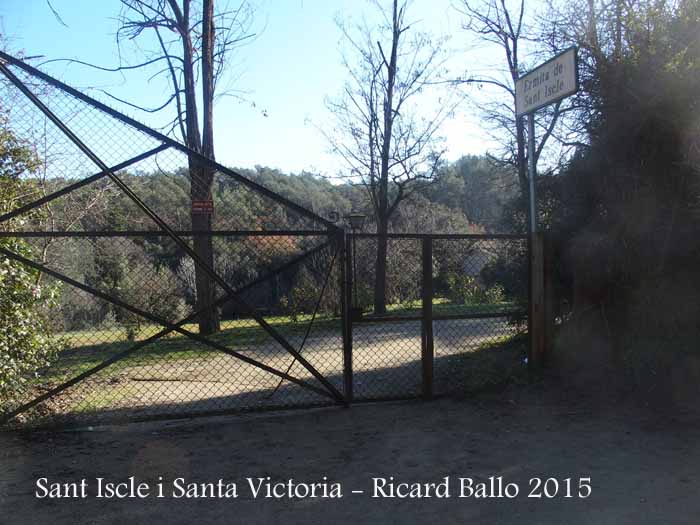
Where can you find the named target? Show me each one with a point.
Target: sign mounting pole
(548, 83)
(531, 170)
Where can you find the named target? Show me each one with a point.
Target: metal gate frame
(334, 234)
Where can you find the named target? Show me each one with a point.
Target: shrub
(162, 297)
(26, 342)
(303, 296)
(465, 289)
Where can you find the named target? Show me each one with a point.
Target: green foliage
(477, 187)
(466, 289)
(134, 270)
(624, 210)
(126, 271)
(509, 271)
(26, 342)
(303, 295)
(16, 159)
(164, 298)
(420, 214)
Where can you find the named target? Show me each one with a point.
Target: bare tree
(386, 143)
(193, 43)
(44, 142)
(502, 24)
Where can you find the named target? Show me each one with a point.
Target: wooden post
(537, 323)
(345, 306)
(427, 349)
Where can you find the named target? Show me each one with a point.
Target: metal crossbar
(313, 317)
(448, 298)
(232, 297)
(77, 185)
(446, 303)
(151, 317)
(151, 234)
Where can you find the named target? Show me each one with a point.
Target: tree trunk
(202, 177)
(380, 269)
(383, 200)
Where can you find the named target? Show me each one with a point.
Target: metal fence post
(345, 306)
(427, 347)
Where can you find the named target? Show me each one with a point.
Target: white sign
(552, 81)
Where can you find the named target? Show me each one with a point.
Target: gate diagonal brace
(313, 318)
(241, 305)
(89, 180)
(157, 336)
(169, 328)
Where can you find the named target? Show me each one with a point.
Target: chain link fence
(477, 298)
(120, 305)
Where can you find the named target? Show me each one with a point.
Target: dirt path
(642, 470)
(386, 364)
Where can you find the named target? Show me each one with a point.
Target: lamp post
(356, 221)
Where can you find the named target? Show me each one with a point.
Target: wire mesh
(175, 374)
(387, 360)
(126, 293)
(479, 275)
(473, 353)
(168, 180)
(479, 294)
(402, 281)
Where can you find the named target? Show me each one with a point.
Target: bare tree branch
(382, 130)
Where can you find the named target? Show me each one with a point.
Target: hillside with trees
(460, 191)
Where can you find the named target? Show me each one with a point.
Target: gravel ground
(642, 468)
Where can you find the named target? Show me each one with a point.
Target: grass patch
(88, 348)
(102, 399)
(489, 365)
(442, 306)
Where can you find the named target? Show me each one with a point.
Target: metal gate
(118, 306)
(456, 311)
(121, 304)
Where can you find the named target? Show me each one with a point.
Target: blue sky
(288, 70)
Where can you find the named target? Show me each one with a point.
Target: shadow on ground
(642, 470)
(459, 374)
